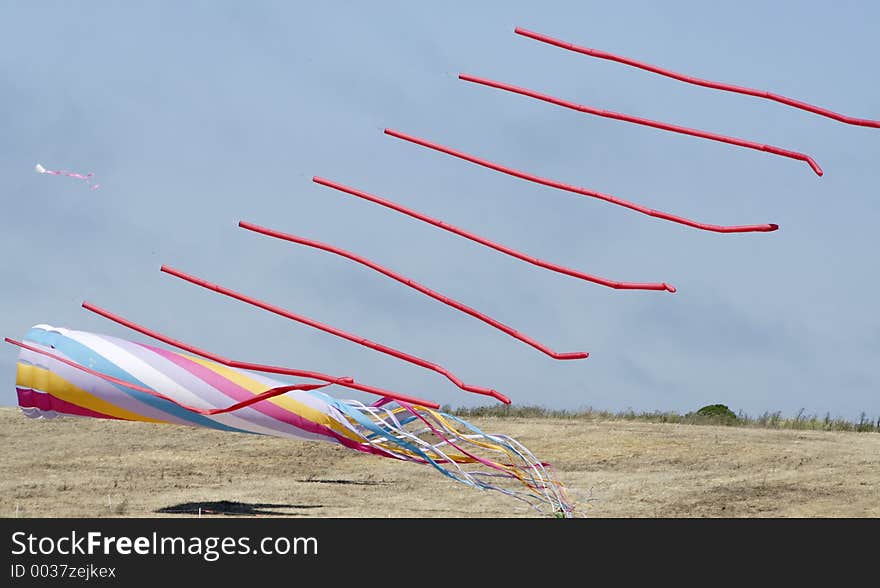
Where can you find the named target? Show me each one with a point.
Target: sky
(196, 115)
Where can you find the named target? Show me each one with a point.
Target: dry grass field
(94, 468)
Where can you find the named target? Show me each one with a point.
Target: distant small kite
(86, 178)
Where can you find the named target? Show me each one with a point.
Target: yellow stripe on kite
(286, 402)
(43, 380)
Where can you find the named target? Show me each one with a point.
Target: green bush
(717, 411)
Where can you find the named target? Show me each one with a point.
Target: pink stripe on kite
(701, 82)
(238, 393)
(269, 409)
(28, 398)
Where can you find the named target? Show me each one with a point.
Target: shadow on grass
(226, 507)
(313, 480)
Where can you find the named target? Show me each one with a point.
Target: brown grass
(618, 468)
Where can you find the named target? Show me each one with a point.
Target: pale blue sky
(195, 115)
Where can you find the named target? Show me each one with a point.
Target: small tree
(717, 411)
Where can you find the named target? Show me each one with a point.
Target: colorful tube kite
(67, 372)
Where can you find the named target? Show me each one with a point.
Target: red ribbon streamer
(646, 122)
(701, 82)
(582, 191)
(338, 332)
(416, 286)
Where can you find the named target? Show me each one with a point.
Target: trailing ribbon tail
(462, 452)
